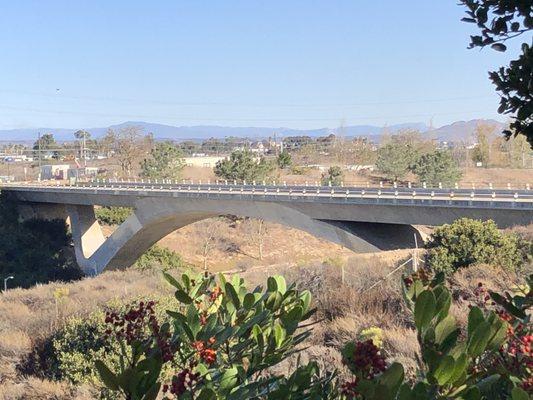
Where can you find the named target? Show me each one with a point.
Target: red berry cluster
(527, 384)
(348, 389)
(131, 327)
(207, 354)
(367, 359)
(182, 382)
(420, 275)
(215, 293)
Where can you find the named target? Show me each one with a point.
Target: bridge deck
(463, 198)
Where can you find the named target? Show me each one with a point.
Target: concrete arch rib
(155, 218)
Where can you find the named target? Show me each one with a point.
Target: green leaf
(499, 47)
(272, 284)
(445, 370)
(257, 334)
(475, 317)
(182, 297)
(108, 378)
(424, 309)
(392, 378)
(445, 328)
(207, 394)
(477, 343)
(305, 296)
(509, 307)
(279, 334)
(498, 334)
(519, 394)
(291, 319)
(281, 284)
(229, 379)
(274, 301)
(152, 393)
(249, 301)
(234, 297)
(170, 279)
(459, 368)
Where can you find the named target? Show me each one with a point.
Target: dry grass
(30, 316)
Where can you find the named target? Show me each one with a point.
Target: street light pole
(5, 282)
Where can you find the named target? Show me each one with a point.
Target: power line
(193, 118)
(214, 103)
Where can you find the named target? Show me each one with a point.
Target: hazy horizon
(298, 65)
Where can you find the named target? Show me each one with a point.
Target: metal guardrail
(522, 200)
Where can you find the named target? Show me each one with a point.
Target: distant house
(56, 171)
(202, 161)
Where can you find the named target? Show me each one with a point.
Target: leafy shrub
(224, 343)
(466, 242)
(437, 167)
(284, 159)
(227, 338)
(243, 165)
(333, 177)
(299, 170)
(112, 215)
(160, 258)
(492, 359)
(81, 341)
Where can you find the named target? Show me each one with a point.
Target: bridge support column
(87, 236)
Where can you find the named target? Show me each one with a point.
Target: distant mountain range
(457, 131)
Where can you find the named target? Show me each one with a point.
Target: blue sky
(300, 64)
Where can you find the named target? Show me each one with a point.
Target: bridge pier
(87, 236)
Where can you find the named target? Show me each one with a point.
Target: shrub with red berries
(363, 359)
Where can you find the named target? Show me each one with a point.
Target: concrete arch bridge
(361, 219)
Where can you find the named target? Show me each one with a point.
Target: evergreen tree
(242, 165)
(437, 167)
(164, 162)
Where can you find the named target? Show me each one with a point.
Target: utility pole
(39, 152)
(84, 151)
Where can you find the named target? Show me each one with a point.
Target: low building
(54, 171)
(202, 161)
(85, 172)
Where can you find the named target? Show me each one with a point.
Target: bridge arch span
(153, 219)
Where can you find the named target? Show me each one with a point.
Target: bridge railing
(398, 196)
